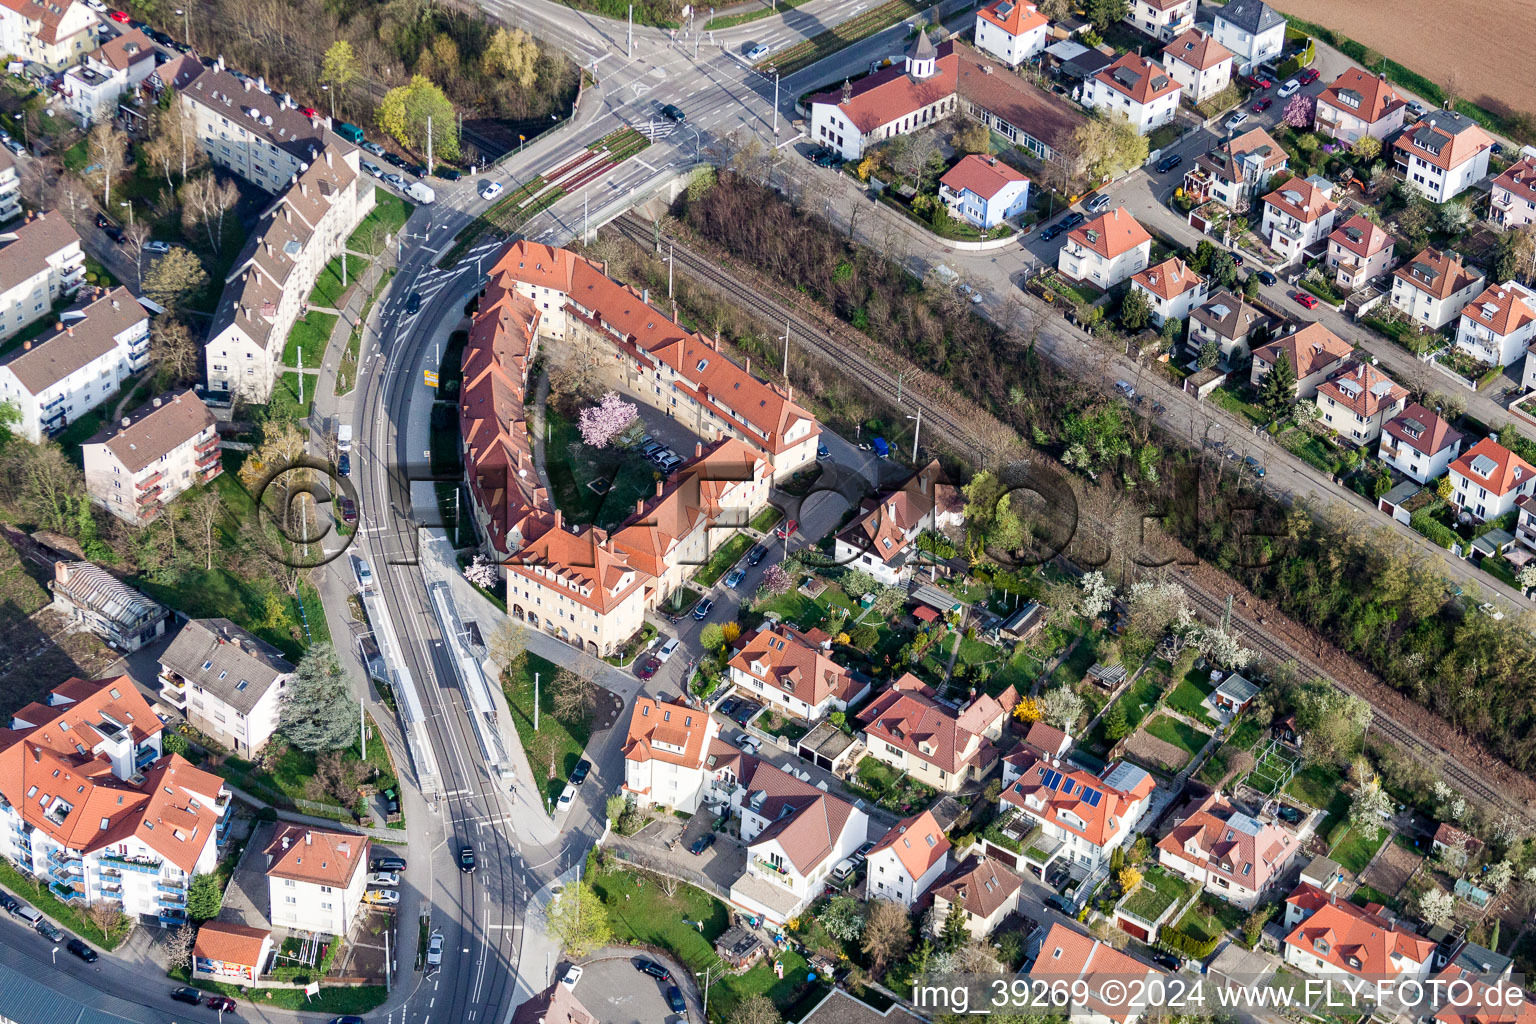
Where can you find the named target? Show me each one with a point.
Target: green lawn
(892, 790)
(1358, 846)
(1317, 785)
(386, 218)
(724, 556)
(556, 747)
(1158, 891)
(311, 333)
(204, 594)
(1188, 697)
(286, 780)
(285, 402)
(65, 914)
(1208, 918)
(767, 519)
(1171, 730)
(573, 465)
(1246, 733)
(791, 729)
(1365, 894)
(340, 999)
(1076, 665)
(795, 607)
(346, 372)
(1228, 400)
(329, 288)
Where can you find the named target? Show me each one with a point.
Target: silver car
(394, 179)
(435, 950)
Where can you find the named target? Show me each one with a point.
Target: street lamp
(186, 27)
(129, 205)
(327, 89)
(55, 956)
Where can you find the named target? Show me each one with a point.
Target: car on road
(756, 53)
(675, 1000)
(1098, 204)
(1051, 232)
(702, 843)
(435, 950)
(580, 772)
(672, 112)
(1266, 277)
(1309, 76)
(1168, 163)
(667, 650)
(48, 931)
(373, 147)
(757, 554)
(394, 180)
(449, 173)
(348, 511)
(652, 968)
(1258, 81)
(490, 190)
(223, 1004)
(1255, 465)
(1262, 105)
(344, 464)
(413, 302)
(1290, 88)
(121, 17)
(647, 667)
(746, 744)
(187, 995)
(83, 951)
(395, 160)
(704, 607)
(787, 530)
(466, 859)
(733, 580)
(156, 246)
(388, 878)
(1306, 299)
(373, 168)
(1125, 388)
(10, 903)
(1072, 220)
(571, 976)
(382, 897)
(388, 862)
(1235, 120)
(350, 1018)
(1059, 902)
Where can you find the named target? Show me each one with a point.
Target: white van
(845, 867)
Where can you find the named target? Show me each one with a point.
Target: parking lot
(612, 989)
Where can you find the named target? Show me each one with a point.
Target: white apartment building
(51, 32)
(1171, 289)
(316, 879)
(10, 188)
(1011, 30)
(1136, 89)
(1498, 326)
(226, 681)
(92, 599)
(907, 860)
(93, 88)
(90, 806)
(138, 466)
(1201, 65)
(65, 374)
(666, 754)
(1419, 444)
(1358, 400)
(1106, 250)
(1161, 19)
(1299, 216)
(1443, 154)
(1488, 479)
(40, 263)
(1082, 818)
(1252, 30)
(1434, 287)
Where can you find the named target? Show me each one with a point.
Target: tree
(1097, 595)
(177, 945)
(175, 278)
(1370, 803)
(1434, 905)
(108, 916)
(204, 201)
(1497, 878)
(483, 572)
(1055, 10)
(406, 109)
(730, 631)
(777, 580)
(205, 897)
(843, 918)
(1277, 391)
(990, 519)
(954, 933)
(339, 68)
(1135, 310)
(864, 636)
(508, 645)
(573, 695)
(205, 510)
(108, 151)
(1299, 111)
(1210, 355)
(756, 1009)
(337, 777)
(1110, 144)
(1028, 710)
(317, 713)
(1115, 725)
(174, 350)
(972, 137)
(511, 53)
(605, 421)
(887, 933)
(712, 637)
(1062, 707)
(1454, 217)
(1104, 13)
(174, 743)
(1129, 879)
(134, 237)
(1366, 148)
(1332, 722)
(579, 920)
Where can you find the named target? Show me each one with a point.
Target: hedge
(1195, 949)
(1433, 529)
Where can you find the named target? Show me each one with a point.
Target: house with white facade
(1082, 817)
(64, 374)
(1102, 984)
(40, 264)
(94, 87)
(1201, 65)
(1106, 250)
(665, 754)
(794, 674)
(1252, 30)
(1487, 480)
(228, 683)
(1171, 289)
(983, 890)
(1228, 322)
(136, 467)
(1314, 352)
(1136, 89)
(1443, 154)
(880, 539)
(983, 191)
(907, 860)
(1011, 30)
(917, 93)
(795, 835)
(230, 953)
(93, 600)
(1357, 400)
(10, 187)
(1419, 444)
(1232, 855)
(1498, 326)
(1358, 253)
(94, 809)
(1329, 937)
(1237, 170)
(1161, 19)
(1357, 104)
(1298, 216)
(943, 747)
(1512, 203)
(578, 587)
(315, 878)
(1434, 287)
(55, 33)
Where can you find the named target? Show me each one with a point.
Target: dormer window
(1321, 946)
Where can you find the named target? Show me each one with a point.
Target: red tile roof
(1310, 349)
(673, 733)
(693, 498)
(1016, 17)
(1197, 49)
(1169, 279)
(230, 943)
(1079, 802)
(892, 94)
(1066, 955)
(1444, 139)
(886, 521)
(1302, 200)
(1519, 179)
(984, 175)
(1376, 98)
(1354, 939)
(1507, 471)
(982, 887)
(585, 567)
(1361, 237)
(1501, 308)
(1138, 78)
(48, 16)
(789, 661)
(1362, 389)
(313, 855)
(1421, 430)
(1436, 273)
(1484, 1006)
(806, 822)
(928, 730)
(917, 842)
(1111, 234)
(1225, 842)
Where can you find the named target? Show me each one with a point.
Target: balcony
(773, 870)
(170, 902)
(172, 916)
(145, 757)
(148, 867)
(66, 893)
(150, 482)
(208, 459)
(1502, 200)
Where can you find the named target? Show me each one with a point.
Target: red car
(787, 530)
(1309, 301)
(1258, 81)
(1263, 105)
(120, 16)
(309, 112)
(1308, 76)
(647, 667)
(220, 1003)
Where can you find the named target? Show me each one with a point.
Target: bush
(1195, 949)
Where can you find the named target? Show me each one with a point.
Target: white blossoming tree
(1097, 595)
(483, 573)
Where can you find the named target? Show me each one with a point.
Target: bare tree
(574, 695)
(108, 149)
(1454, 87)
(172, 346)
(205, 510)
(508, 644)
(134, 237)
(177, 946)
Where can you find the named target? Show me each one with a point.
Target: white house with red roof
(1082, 817)
(983, 890)
(1232, 855)
(1358, 103)
(1330, 937)
(666, 754)
(1443, 154)
(1114, 984)
(1251, 29)
(1298, 216)
(1138, 89)
(880, 539)
(1106, 250)
(1512, 203)
(793, 673)
(1313, 351)
(918, 93)
(1359, 252)
(1171, 289)
(1499, 325)
(1042, 742)
(1434, 287)
(1236, 170)
(1202, 66)
(940, 746)
(1011, 30)
(93, 808)
(984, 191)
(1161, 19)
(316, 878)
(1469, 997)
(57, 33)
(1488, 479)
(1419, 444)
(1358, 400)
(907, 860)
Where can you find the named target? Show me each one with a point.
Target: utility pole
(786, 349)
(301, 376)
(669, 269)
(629, 41)
(362, 728)
(775, 103)
(535, 702)
(916, 433)
(586, 220)
(429, 143)
(898, 386)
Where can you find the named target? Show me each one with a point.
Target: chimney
(659, 486)
(126, 421)
(922, 483)
(344, 848)
(639, 506)
(698, 448)
(158, 402)
(247, 85)
(115, 304)
(26, 346)
(69, 331)
(558, 524)
(309, 838)
(328, 158)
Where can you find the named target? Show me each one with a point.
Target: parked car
(388, 862)
(347, 1018)
(652, 968)
(1288, 814)
(675, 1000)
(394, 180)
(746, 744)
(48, 931)
(187, 995)
(1168, 961)
(580, 772)
(1416, 108)
(373, 147)
(1051, 232)
(490, 190)
(667, 650)
(757, 554)
(1255, 465)
(647, 667)
(121, 17)
(727, 706)
(9, 903)
(744, 713)
(449, 173)
(787, 530)
(1072, 220)
(223, 1004)
(1290, 88)
(382, 897)
(344, 464)
(567, 798)
(83, 951)
(1262, 105)
(823, 453)
(157, 247)
(1168, 163)
(734, 578)
(373, 168)
(1306, 299)
(1266, 277)
(756, 53)
(571, 976)
(828, 159)
(702, 610)
(672, 112)
(435, 950)
(1236, 119)
(1098, 204)
(348, 510)
(1257, 81)
(395, 160)
(702, 843)
(385, 878)
(466, 859)
(1125, 388)
(15, 146)
(1061, 903)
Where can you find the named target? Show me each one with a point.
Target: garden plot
(1273, 769)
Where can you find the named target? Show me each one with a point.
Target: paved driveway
(616, 993)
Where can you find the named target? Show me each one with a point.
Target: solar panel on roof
(1066, 787)
(1092, 796)
(1052, 779)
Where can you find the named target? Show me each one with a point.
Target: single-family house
(917, 93)
(1488, 479)
(984, 191)
(906, 728)
(1525, 523)
(56, 33)
(92, 599)
(1232, 855)
(1314, 353)
(1161, 19)
(1237, 170)
(230, 953)
(794, 673)
(1252, 30)
(1512, 203)
(1453, 845)
(1357, 400)
(315, 878)
(1443, 154)
(983, 891)
(1499, 325)
(93, 88)
(666, 754)
(907, 860)
(1298, 216)
(1041, 743)
(880, 540)
(1013, 31)
(1106, 250)
(1082, 817)
(1359, 252)
(1201, 65)
(1419, 444)
(229, 682)
(1113, 983)
(1330, 937)
(1171, 289)
(1230, 323)
(1434, 287)
(1357, 104)
(1135, 88)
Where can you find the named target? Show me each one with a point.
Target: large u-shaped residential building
(589, 586)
